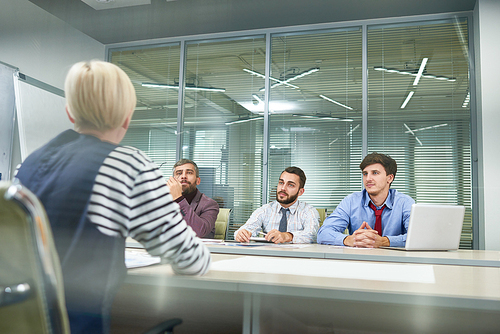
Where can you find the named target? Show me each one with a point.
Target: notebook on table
(434, 227)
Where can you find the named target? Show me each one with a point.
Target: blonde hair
(99, 95)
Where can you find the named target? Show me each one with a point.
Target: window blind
(222, 129)
(429, 135)
(154, 122)
(316, 123)
(315, 112)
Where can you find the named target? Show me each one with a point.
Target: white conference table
(284, 294)
(480, 258)
(459, 257)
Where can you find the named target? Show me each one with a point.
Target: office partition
(334, 92)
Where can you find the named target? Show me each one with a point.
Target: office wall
(41, 45)
(487, 13)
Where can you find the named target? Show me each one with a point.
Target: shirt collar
(292, 208)
(389, 201)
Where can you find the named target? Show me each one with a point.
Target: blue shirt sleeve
(332, 230)
(353, 210)
(397, 219)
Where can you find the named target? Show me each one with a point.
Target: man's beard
(189, 189)
(288, 200)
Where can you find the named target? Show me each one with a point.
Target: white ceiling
(113, 4)
(164, 18)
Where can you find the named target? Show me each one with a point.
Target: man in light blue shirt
(287, 219)
(358, 211)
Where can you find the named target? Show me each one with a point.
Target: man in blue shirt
(362, 211)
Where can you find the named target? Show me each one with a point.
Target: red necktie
(378, 217)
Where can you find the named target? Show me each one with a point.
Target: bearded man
(199, 211)
(286, 219)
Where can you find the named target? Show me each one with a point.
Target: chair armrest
(14, 294)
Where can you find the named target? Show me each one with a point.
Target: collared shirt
(302, 221)
(354, 210)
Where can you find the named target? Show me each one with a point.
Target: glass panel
(423, 121)
(222, 131)
(154, 123)
(315, 113)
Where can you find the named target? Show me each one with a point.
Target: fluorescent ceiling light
(299, 129)
(466, 101)
(407, 99)
(426, 128)
(333, 101)
(298, 76)
(270, 78)
(198, 88)
(347, 135)
(283, 82)
(208, 89)
(244, 120)
(328, 118)
(354, 129)
(255, 96)
(420, 71)
(410, 131)
(412, 73)
(273, 106)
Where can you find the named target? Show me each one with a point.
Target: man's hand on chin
(175, 187)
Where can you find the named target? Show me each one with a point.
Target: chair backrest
(221, 224)
(322, 215)
(31, 286)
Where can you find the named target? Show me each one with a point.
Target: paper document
(259, 239)
(136, 259)
(211, 241)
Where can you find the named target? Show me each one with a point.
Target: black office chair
(31, 287)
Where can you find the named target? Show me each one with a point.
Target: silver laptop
(434, 227)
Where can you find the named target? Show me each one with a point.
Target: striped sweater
(96, 194)
(130, 198)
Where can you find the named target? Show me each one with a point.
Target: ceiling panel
(164, 18)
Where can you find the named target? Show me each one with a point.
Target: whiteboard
(41, 114)
(7, 119)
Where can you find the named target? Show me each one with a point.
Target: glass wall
(223, 128)
(154, 123)
(418, 80)
(418, 111)
(315, 112)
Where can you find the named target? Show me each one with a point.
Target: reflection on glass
(319, 130)
(223, 130)
(423, 124)
(154, 123)
(418, 112)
